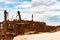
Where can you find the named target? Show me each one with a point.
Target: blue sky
(47, 11)
(12, 3)
(13, 6)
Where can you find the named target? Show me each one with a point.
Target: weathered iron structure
(10, 29)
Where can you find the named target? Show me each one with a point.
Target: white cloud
(24, 5)
(44, 11)
(1, 0)
(43, 2)
(55, 6)
(1, 16)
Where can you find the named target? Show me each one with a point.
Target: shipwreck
(10, 29)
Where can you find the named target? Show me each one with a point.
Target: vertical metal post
(32, 17)
(19, 15)
(5, 15)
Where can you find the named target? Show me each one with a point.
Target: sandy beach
(42, 36)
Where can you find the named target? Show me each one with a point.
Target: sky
(43, 11)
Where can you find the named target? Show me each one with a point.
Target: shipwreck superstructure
(10, 29)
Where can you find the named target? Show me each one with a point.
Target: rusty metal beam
(32, 17)
(5, 15)
(19, 15)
